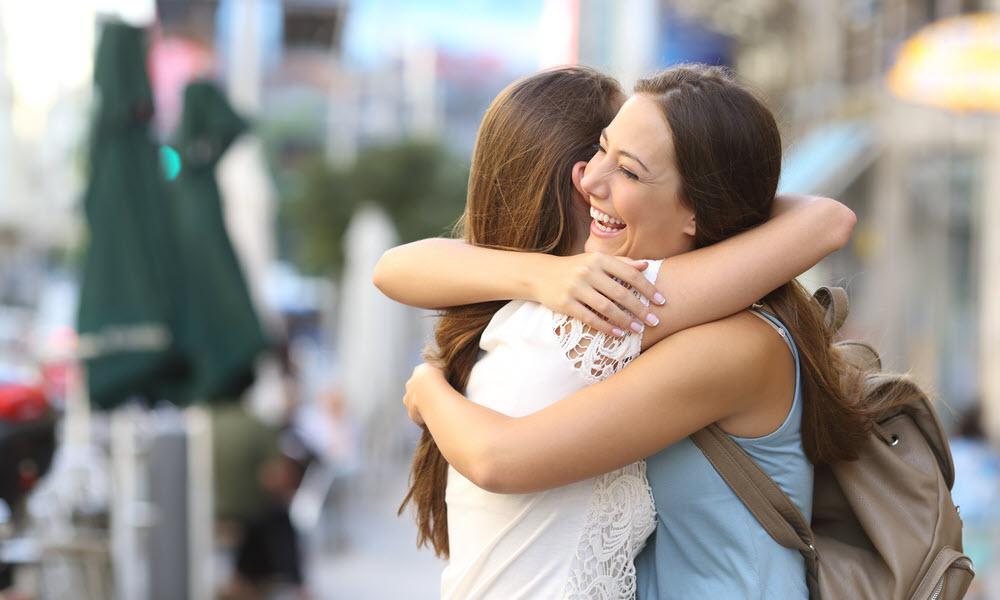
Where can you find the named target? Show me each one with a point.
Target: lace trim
(621, 513)
(620, 516)
(594, 353)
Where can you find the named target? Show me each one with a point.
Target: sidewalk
(380, 559)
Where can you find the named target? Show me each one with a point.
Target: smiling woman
(633, 180)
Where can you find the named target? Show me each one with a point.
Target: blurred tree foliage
(418, 183)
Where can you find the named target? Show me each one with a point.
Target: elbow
(488, 472)
(842, 221)
(382, 275)
(487, 477)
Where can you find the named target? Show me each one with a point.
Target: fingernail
(618, 332)
(659, 299)
(652, 320)
(636, 326)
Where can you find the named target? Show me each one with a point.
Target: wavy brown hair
(728, 152)
(520, 197)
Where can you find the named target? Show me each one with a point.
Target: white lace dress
(574, 541)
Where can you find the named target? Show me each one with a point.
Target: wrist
(432, 386)
(537, 272)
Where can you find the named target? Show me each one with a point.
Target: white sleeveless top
(574, 541)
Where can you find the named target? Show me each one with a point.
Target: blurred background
(199, 386)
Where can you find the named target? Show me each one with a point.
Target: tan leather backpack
(884, 526)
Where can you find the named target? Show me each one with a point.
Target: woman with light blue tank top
(707, 544)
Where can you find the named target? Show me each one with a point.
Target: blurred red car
(22, 402)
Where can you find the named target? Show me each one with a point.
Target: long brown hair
(520, 197)
(728, 152)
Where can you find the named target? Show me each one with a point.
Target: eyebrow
(604, 136)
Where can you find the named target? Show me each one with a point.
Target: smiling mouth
(604, 223)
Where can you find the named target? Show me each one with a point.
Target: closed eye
(599, 149)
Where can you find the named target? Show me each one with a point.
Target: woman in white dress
(525, 194)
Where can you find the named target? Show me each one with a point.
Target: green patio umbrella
(126, 309)
(218, 329)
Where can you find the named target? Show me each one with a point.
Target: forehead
(640, 127)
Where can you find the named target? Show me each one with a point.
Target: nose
(593, 181)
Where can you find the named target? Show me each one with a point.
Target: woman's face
(633, 187)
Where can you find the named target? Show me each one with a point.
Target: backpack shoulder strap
(772, 508)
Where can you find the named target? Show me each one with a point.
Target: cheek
(642, 212)
(654, 223)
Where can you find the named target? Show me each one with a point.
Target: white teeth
(604, 227)
(606, 218)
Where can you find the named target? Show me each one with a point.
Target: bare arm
(653, 403)
(699, 286)
(451, 272)
(439, 272)
(722, 279)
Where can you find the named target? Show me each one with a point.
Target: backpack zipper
(937, 589)
(964, 562)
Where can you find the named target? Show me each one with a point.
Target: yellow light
(953, 64)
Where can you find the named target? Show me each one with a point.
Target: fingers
(413, 385)
(411, 409)
(601, 295)
(622, 297)
(623, 270)
(606, 310)
(639, 265)
(582, 313)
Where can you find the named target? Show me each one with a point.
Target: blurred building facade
(286, 57)
(41, 123)
(6, 135)
(921, 268)
(920, 179)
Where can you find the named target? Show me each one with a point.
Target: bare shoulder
(743, 333)
(743, 350)
(762, 361)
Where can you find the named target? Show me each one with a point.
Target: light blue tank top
(707, 544)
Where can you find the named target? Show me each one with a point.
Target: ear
(577, 175)
(690, 227)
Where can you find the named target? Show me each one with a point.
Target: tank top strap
(778, 326)
(790, 427)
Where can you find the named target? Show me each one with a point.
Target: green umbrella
(218, 329)
(126, 309)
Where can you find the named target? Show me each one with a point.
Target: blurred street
(379, 560)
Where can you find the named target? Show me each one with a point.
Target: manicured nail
(636, 326)
(618, 332)
(652, 320)
(659, 299)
